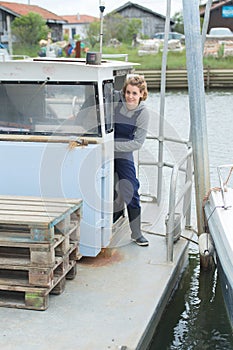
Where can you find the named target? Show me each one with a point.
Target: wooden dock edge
(177, 79)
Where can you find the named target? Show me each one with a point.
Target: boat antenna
(102, 8)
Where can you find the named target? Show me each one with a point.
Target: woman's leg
(129, 186)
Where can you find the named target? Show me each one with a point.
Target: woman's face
(132, 96)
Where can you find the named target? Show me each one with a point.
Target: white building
(77, 24)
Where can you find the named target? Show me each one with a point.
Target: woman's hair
(139, 81)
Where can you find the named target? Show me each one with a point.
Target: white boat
(219, 219)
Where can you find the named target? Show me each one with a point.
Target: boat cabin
(56, 133)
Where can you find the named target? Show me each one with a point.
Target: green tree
(121, 28)
(93, 33)
(30, 29)
(134, 28)
(115, 27)
(179, 22)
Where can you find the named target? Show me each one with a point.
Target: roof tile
(22, 10)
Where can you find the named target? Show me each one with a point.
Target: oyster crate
(39, 246)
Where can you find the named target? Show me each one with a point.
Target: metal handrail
(223, 185)
(174, 202)
(115, 55)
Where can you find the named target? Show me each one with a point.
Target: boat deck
(114, 302)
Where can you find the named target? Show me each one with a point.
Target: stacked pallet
(39, 246)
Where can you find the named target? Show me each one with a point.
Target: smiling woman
(131, 123)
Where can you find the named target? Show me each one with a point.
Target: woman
(131, 123)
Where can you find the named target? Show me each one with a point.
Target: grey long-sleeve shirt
(141, 125)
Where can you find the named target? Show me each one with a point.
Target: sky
(91, 7)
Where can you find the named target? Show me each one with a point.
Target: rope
(164, 235)
(229, 175)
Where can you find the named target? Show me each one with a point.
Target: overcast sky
(91, 7)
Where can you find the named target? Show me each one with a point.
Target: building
(13, 10)
(221, 14)
(152, 22)
(77, 25)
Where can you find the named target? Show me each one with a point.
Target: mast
(193, 42)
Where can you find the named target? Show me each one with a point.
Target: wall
(151, 24)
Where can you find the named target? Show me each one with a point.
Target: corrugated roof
(22, 10)
(80, 18)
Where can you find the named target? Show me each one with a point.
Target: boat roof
(76, 69)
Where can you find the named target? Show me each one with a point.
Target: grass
(175, 60)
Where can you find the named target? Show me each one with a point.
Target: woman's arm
(139, 136)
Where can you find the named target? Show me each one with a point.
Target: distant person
(131, 124)
(69, 50)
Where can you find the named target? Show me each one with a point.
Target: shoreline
(177, 78)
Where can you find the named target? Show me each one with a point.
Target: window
(49, 108)
(108, 105)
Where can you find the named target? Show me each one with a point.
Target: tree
(115, 27)
(93, 33)
(121, 28)
(134, 28)
(179, 22)
(30, 29)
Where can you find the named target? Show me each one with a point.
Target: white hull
(220, 223)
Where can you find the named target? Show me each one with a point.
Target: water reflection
(196, 317)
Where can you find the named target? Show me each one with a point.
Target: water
(196, 317)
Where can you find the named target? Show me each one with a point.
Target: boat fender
(206, 250)
(206, 246)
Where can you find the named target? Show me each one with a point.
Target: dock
(117, 298)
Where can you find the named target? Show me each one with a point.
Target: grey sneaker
(141, 241)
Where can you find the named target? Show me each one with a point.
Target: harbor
(88, 285)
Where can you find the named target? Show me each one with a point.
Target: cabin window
(49, 108)
(108, 105)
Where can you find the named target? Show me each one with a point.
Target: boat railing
(176, 198)
(5, 56)
(173, 218)
(223, 184)
(119, 55)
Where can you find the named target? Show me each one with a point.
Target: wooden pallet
(34, 298)
(17, 249)
(21, 273)
(39, 217)
(39, 246)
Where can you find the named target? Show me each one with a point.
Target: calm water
(196, 317)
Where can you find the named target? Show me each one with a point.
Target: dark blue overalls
(124, 162)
